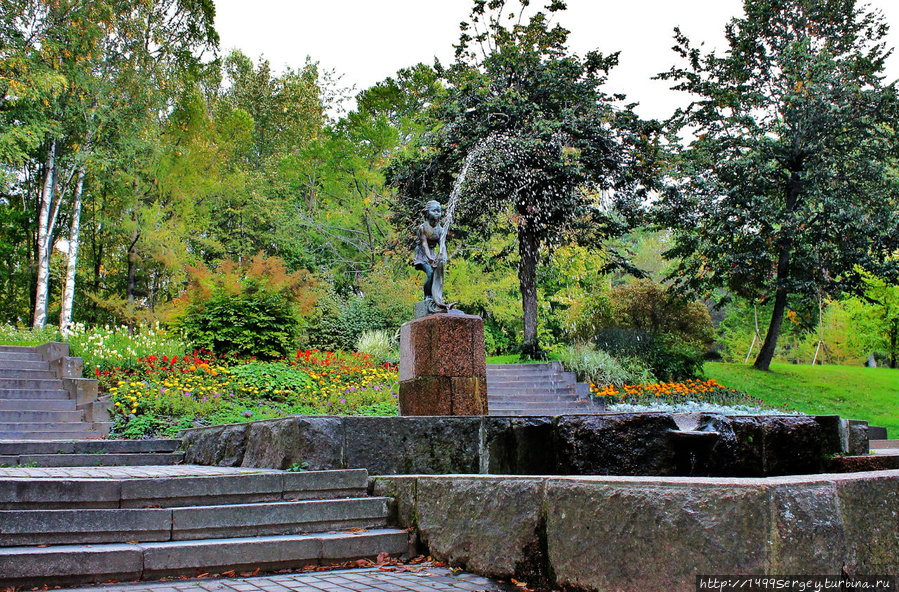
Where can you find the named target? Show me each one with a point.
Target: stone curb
(586, 532)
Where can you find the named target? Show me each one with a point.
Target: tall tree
(77, 74)
(552, 155)
(785, 192)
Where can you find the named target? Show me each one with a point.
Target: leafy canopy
(546, 146)
(785, 193)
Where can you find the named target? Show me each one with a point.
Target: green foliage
(381, 409)
(668, 361)
(342, 321)
(576, 299)
(598, 367)
(109, 348)
(787, 193)
(848, 391)
(648, 306)
(278, 381)
(381, 345)
(142, 426)
(392, 292)
(852, 329)
(242, 325)
(10, 335)
(542, 138)
(243, 312)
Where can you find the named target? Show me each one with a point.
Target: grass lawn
(507, 359)
(852, 392)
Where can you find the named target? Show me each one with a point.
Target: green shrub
(142, 426)
(246, 312)
(379, 344)
(274, 380)
(667, 361)
(245, 325)
(598, 367)
(649, 306)
(342, 320)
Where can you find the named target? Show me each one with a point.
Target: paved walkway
(414, 579)
(125, 472)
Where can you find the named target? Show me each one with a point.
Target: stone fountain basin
(626, 444)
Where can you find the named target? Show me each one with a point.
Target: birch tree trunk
(68, 297)
(44, 242)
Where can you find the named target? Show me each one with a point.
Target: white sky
(368, 40)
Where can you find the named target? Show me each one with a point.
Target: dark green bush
(667, 361)
(243, 325)
(246, 310)
(341, 322)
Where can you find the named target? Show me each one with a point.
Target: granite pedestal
(443, 369)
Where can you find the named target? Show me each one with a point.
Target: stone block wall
(604, 444)
(639, 533)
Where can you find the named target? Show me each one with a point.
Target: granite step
(20, 393)
(25, 404)
(39, 417)
(21, 356)
(548, 383)
(26, 374)
(86, 432)
(31, 384)
(120, 525)
(87, 525)
(529, 412)
(180, 491)
(526, 371)
(17, 349)
(534, 397)
(64, 427)
(31, 365)
(85, 564)
(90, 446)
(515, 391)
(95, 460)
(535, 366)
(498, 405)
(882, 444)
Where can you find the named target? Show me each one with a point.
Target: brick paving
(417, 579)
(124, 472)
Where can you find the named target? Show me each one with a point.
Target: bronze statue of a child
(428, 256)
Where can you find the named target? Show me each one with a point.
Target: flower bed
(162, 394)
(691, 395)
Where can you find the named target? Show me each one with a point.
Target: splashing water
(456, 193)
(438, 305)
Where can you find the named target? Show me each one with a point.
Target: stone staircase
(44, 397)
(89, 453)
(79, 526)
(537, 389)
